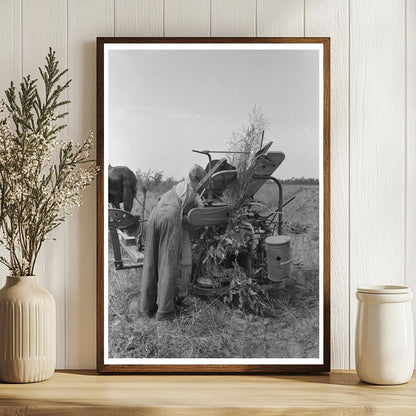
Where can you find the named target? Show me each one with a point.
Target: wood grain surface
(187, 18)
(372, 45)
(410, 264)
(85, 18)
(233, 18)
(377, 148)
(280, 18)
(138, 18)
(10, 64)
(340, 393)
(330, 17)
(36, 40)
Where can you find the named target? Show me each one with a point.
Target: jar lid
(384, 289)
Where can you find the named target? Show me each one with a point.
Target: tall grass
(245, 322)
(209, 328)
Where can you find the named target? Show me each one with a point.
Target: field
(210, 329)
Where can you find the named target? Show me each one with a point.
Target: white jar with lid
(384, 340)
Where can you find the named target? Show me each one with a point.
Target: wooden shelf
(85, 392)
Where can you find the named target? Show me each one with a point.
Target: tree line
(300, 181)
(153, 180)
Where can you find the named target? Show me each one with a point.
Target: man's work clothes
(161, 264)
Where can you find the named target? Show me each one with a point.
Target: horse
(121, 186)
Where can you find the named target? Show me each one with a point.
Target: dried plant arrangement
(42, 175)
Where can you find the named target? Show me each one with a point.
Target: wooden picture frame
(303, 365)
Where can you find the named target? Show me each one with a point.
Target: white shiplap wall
(373, 132)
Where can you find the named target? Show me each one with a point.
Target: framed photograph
(213, 205)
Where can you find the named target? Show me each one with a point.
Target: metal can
(279, 259)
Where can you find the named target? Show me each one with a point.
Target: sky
(163, 104)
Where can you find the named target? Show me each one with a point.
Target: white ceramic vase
(27, 331)
(384, 341)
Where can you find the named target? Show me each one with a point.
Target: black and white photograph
(213, 204)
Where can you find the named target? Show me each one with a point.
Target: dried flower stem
(36, 193)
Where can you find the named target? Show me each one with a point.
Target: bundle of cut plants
(228, 253)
